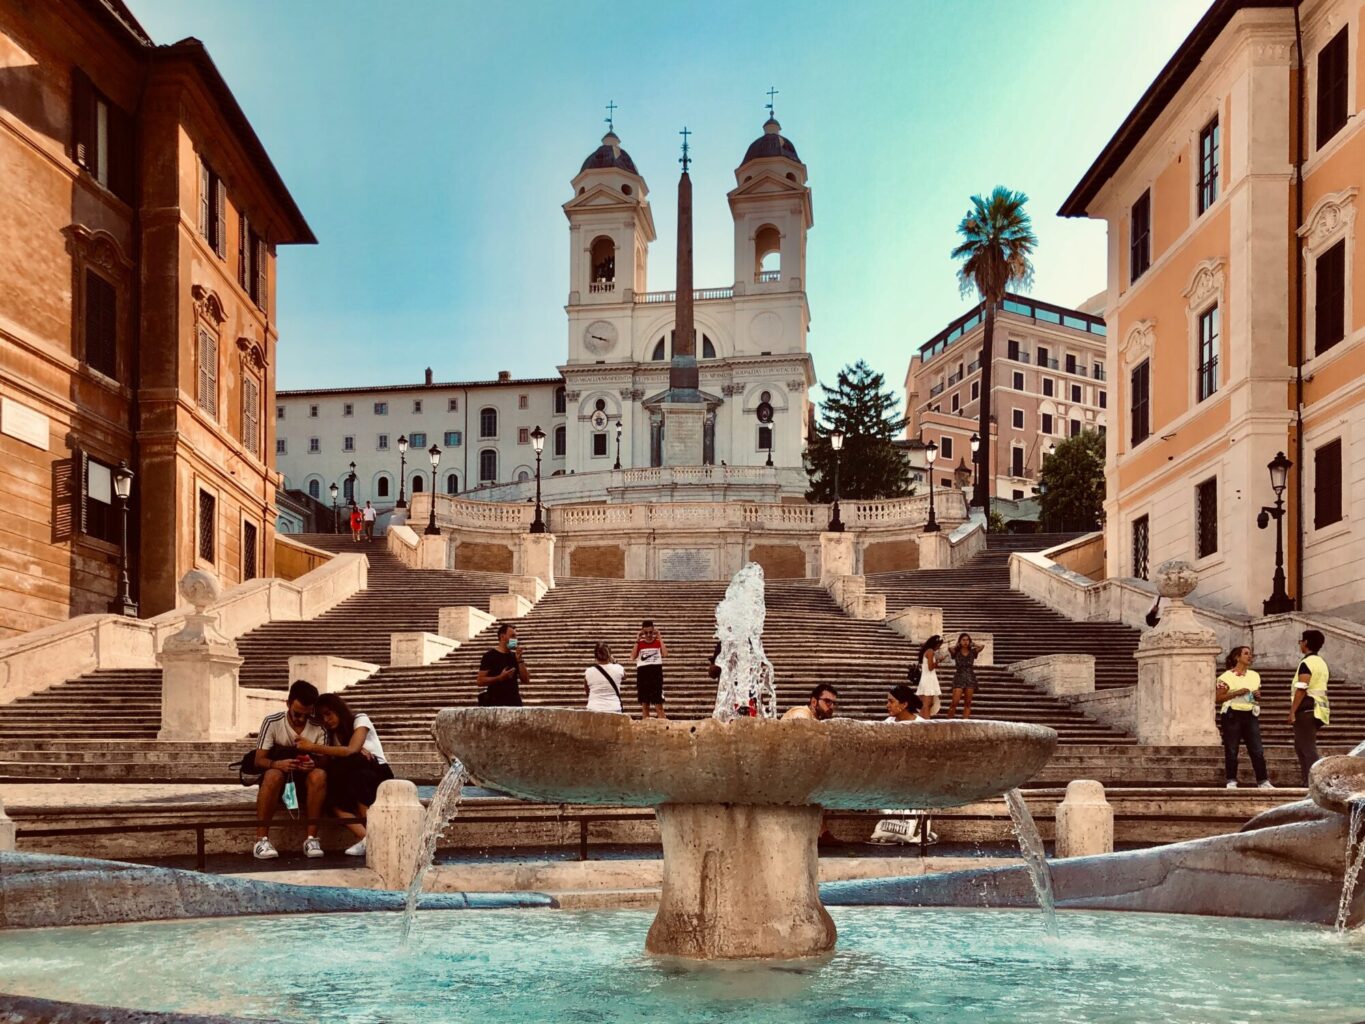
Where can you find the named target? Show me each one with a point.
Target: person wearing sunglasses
(823, 701)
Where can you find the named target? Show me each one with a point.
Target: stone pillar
(684, 428)
(8, 841)
(393, 833)
(1177, 668)
(918, 623)
(432, 550)
(538, 557)
(836, 556)
(1085, 821)
(934, 550)
(200, 699)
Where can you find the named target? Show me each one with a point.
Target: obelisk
(684, 412)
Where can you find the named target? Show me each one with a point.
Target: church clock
(599, 337)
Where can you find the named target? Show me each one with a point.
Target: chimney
(504, 375)
(428, 375)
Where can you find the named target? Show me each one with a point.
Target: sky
(430, 145)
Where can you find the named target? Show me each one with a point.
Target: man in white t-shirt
(368, 514)
(279, 736)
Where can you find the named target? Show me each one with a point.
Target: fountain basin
(739, 803)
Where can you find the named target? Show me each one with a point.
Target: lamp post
(931, 454)
(975, 443)
(435, 455)
(538, 443)
(332, 489)
(836, 441)
(402, 471)
(1279, 600)
(618, 445)
(123, 487)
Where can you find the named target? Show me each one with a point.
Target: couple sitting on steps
(319, 750)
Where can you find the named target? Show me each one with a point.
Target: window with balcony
(1207, 381)
(1329, 302)
(1070, 361)
(1044, 360)
(1206, 518)
(1016, 461)
(1140, 236)
(1327, 484)
(1333, 101)
(1206, 189)
(1140, 402)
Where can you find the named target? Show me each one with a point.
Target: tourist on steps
(368, 514)
(602, 682)
(357, 521)
(924, 674)
(286, 769)
(502, 670)
(1309, 710)
(1239, 716)
(963, 656)
(648, 655)
(900, 705)
(820, 707)
(356, 764)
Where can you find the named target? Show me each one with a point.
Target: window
(658, 354)
(1140, 236)
(488, 422)
(1207, 188)
(945, 447)
(347, 409)
(251, 415)
(97, 498)
(1097, 371)
(281, 447)
(1104, 399)
(381, 487)
(453, 405)
(348, 443)
(249, 555)
(279, 412)
(523, 401)
(976, 390)
(561, 441)
(314, 446)
(1075, 392)
(101, 325)
(524, 435)
(419, 483)
(1327, 484)
(1017, 419)
(452, 439)
(1043, 359)
(1140, 547)
(1047, 423)
(102, 138)
(416, 405)
(208, 371)
(599, 445)
(1075, 427)
(417, 439)
(312, 412)
(452, 483)
(1016, 461)
(954, 404)
(1207, 382)
(348, 489)
(488, 465)
(1206, 518)
(708, 349)
(1018, 381)
(1048, 387)
(212, 209)
(252, 257)
(561, 404)
(1329, 302)
(1016, 494)
(208, 519)
(314, 488)
(1070, 363)
(382, 442)
(1332, 99)
(1141, 402)
(381, 408)
(1012, 350)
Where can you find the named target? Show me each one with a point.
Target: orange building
(1236, 306)
(139, 220)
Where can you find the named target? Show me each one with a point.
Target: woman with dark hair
(900, 704)
(926, 669)
(602, 682)
(1239, 711)
(357, 764)
(963, 656)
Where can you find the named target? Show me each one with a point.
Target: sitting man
(277, 756)
(820, 706)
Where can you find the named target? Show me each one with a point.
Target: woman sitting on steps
(357, 764)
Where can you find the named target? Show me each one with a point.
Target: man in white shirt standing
(369, 515)
(282, 766)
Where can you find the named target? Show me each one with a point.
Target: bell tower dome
(610, 227)
(771, 207)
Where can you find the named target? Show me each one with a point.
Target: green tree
(870, 464)
(1071, 484)
(997, 241)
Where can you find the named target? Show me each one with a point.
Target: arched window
(708, 349)
(767, 254)
(602, 264)
(314, 488)
(488, 422)
(658, 355)
(381, 487)
(418, 484)
(488, 466)
(561, 405)
(561, 441)
(348, 488)
(523, 476)
(452, 483)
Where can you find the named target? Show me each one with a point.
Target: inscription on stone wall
(687, 564)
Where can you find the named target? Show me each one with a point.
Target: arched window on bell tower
(767, 254)
(602, 265)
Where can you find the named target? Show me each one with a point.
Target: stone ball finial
(1175, 579)
(200, 589)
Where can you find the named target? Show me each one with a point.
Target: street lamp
(1279, 600)
(123, 487)
(836, 441)
(931, 454)
(538, 443)
(332, 488)
(975, 442)
(435, 455)
(402, 471)
(618, 445)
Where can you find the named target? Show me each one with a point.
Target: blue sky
(430, 145)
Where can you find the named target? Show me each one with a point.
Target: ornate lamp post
(618, 445)
(931, 454)
(402, 471)
(336, 525)
(1279, 600)
(836, 441)
(123, 487)
(538, 443)
(975, 442)
(435, 454)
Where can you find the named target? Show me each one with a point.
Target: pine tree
(870, 465)
(1071, 484)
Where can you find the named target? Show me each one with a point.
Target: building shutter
(82, 119)
(205, 190)
(262, 267)
(251, 415)
(208, 371)
(243, 250)
(219, 217)
(81, 461)
(122, 154)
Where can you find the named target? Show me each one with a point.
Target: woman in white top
(928, 689)
(900, 705)
(356, 764)
(602, 682)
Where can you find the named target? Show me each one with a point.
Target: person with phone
(502, 671)
(602, 682)
(648, 655)
(286, 769)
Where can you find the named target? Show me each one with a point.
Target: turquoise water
(892, 964)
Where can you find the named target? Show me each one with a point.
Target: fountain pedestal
(740, 882)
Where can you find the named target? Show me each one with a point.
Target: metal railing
(766, 276)
(602, 286)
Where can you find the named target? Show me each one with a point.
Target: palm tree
(997, 241)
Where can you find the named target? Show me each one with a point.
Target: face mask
(512, 644)
(291, 796)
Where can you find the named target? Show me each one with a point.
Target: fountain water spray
(1355, 859)
(1031, 846)
(746, 675)
(440, 812)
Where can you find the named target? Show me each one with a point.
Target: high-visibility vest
(1318, 674)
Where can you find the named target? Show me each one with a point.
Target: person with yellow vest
(1239, 716)
(1309, 710)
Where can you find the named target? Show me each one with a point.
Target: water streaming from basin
(440, 812)
(1355, 860)
(746, 675)
(1031, 846)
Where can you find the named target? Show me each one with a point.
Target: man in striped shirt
(282, 765)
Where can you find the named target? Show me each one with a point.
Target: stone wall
(293, 559)
(479, 556)
(780, 561)
(891, 555)
(599, 561)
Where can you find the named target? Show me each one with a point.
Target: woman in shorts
(648, 655)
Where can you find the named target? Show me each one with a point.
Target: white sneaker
(263, 850)
(1232, 784)
(358, 850)
(311, 847)
(1264, 785)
